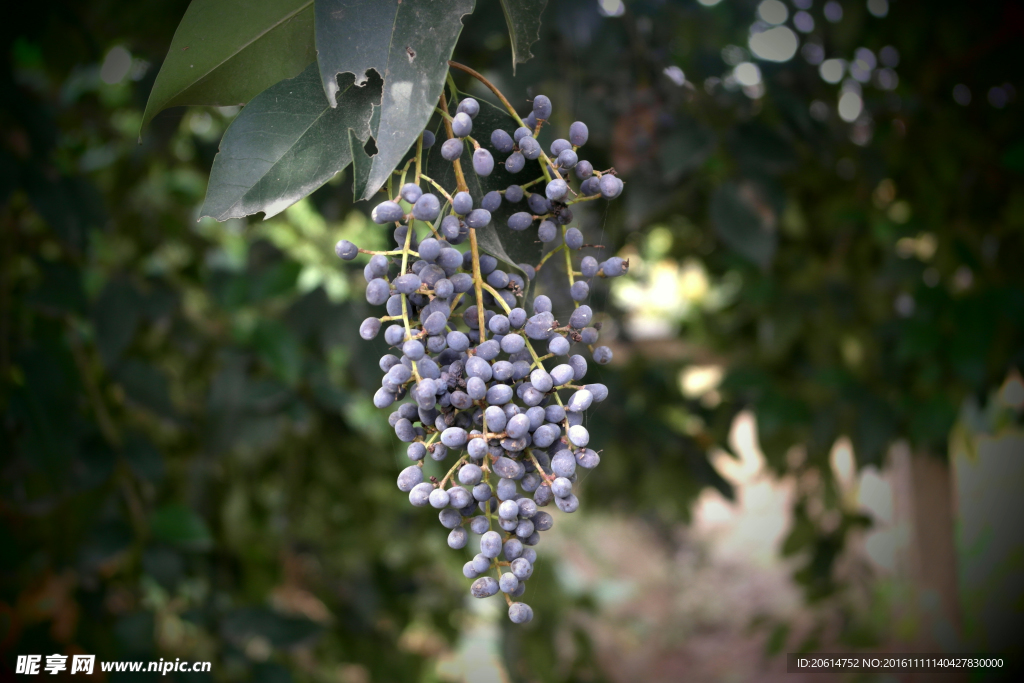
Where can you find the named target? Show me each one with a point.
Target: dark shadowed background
(814, 439)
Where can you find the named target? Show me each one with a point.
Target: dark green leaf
(496, 239)
(106, 541)
(741, 223)
(273, 281)
(286, 143)
(45, 402)
(408, 44)
(135, 633)
(777, 639)
(60, 291)
(759, 148)
(523, 19)
(70, 206)
(8, 175)
(361, 163)
(280, 350)
(224, 52)
(178, 525)
(145, 385)
(685, 149)
(874, 429)
(242, 624)
(94, 465)
(116, 315)
(143, 457)
(270, 672)
(163, 564)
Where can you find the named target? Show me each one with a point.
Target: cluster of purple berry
(500, 387)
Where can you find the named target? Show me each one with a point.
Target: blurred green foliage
(192, 467)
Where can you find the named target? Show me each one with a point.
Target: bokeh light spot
(878, 8)
(772, 12)
(886, 79)
(832, 70)
(611, 8)
(675, 74)
(813, 53)
(961, 94)
(733, 55)
(777, 44)
(819, 110)
(803, 21)
(833, 11)
(890, 56)
(850, 106)
(115, 65)
(998, 97)
(747, 74)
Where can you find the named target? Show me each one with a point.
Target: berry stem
(578, 199)
(487, 435)
(435, 184)
(405, 303)
(451, 85)
(478, 282)
(545, 160)
(389, 253)
(452, 470)
(419, 158)
(480, 77)
(568, 265)
(402, 173)
(549, 255)
(540, 470)
(536, 359)
(497, 297)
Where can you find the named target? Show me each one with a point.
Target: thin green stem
(545, 160)
(451, 85)
(405, 303)
(497, 297)
(568, 265)
(389, 253)
(540, 470)
(583, 198)
(405, 170)
(549, 255)
(478, 282)
(437, 185)
(452, 470)
(537, 360)
(419, 158)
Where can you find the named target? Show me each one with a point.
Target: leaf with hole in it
(497, 239)
(283, 145)
(408, 43)
(744, 222)
(361, 163)
(523, 20)
(225, 52)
